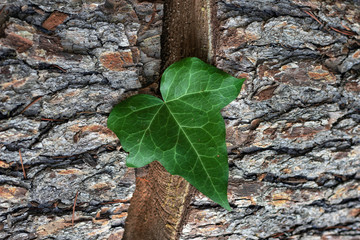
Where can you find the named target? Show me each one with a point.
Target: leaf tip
(227, 206)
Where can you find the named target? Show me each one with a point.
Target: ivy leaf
(185, 131)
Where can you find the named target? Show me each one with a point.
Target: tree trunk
(292, 135)
(161, 202)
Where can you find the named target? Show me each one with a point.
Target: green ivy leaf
(185, 132)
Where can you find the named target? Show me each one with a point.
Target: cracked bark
(288, 157)
(292, 135)
(63, 66)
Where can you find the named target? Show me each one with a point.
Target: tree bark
(292, 135)
(63, 67)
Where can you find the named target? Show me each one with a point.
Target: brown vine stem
(161, 203)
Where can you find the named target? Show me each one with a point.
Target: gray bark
(293, 133)
(64, 65)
